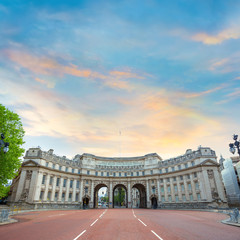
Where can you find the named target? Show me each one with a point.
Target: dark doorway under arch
(154, 202)
(85, 202)
(142, 203)
(120, 196)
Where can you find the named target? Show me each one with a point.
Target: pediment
(209, 162)
(30, 163)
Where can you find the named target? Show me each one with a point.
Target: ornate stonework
(189, 180)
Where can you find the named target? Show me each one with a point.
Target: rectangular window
(191, 197)
(64, 182)
(173, 169)
(176, 198)
(79, 171)
(166, 170)
(86, 190)
(96, 173)
(114, 174)
(160, 171)
(195, 174)
(78, 184)
(51, 181)
(71, 183)
(163, 199)
(181, 177)
(189, 187)
(63, 196)
(174, 179)
(179, 167)
(185, 165)
(60, 168)
(102, 174)
(49, 196)
(88, 172)
(182, 187)
(162, 189)
(196, 185)
(58, 181)
(70, 197)
(168, 179)
(41, 195)
(132, 174)
(170, 198)
(188, 176)
(77, 196)
(46, 164)
(108, 174)
(66, 170)
(125, 174)
(53, 166)
(72, 170)
(43, 179)
(198, 196)
(152, 181)
(137, 173)
(184, 198)
(56, 196)
(161, 180)
(151, 172)
(120, 174)
(193, 163)
(86, 181)
(169, 189)
(175, 188)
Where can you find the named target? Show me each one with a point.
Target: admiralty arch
(192, 180)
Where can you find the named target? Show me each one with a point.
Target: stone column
(219, 184)
(193, 188)
(110, 195)
(186, 188)
(21, 185)
(172, 190)
(92, 195)
(129, 195)
(159, 193)
(148, 200)
(202, 188)
(33, 186)
(67, 190)
(165, 189)
(46, 188)
(81, 192)
(60, 190)
(38, 187)
(53, 188)
(74, 190)
(207, 186)
(179, 189)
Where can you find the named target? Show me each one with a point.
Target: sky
(122, 78)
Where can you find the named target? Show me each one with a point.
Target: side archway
(142, 198)
(154, 202)
(96, 189)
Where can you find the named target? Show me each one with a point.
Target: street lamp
(85, 198)
(235, 145)
(3, 144)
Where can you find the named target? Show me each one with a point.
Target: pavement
(119, 224)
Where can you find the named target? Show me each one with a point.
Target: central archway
(96, 198)
(120, 196)
(141, 202)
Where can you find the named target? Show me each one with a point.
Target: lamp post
(235, 145)
(3, 144)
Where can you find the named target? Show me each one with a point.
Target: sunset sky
(122, 78)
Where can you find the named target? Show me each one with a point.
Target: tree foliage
(10, 162)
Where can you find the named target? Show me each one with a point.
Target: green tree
(10, 162)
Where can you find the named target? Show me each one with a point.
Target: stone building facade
(46, 180)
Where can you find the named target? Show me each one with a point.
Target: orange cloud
(231, 33)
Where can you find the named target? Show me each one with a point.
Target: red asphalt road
(119, 224)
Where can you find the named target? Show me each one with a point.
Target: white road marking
(79, 235)
(133, 213)
(94, 222)
(142, 222)
(156, 235)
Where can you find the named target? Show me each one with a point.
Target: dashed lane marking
(94, 222)
(142, 222)
(156, 235)
(79, 235)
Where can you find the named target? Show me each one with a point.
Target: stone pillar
(53, 188)
(92, 195)
(67, 190)
(20, 185)
(159, 193)
(193, 188)
(148, 200)
(60, 190)
(129, 195)
(46, 188)
(110, 196)
(165, 189)
(186, 188)
(33, 186)
(172, 190)
(81, 192)
(179, 189)
(74, 190)
(219, 184)
(207, 186)
(38, 187)
(202, 188)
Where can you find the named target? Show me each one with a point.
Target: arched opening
(154, 202)
(86, 202)
(139, 194)
(120, 199)
(101, 196)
